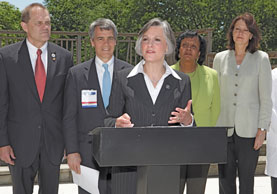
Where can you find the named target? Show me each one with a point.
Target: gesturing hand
(182, 115)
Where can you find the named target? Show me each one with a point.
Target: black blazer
(78, 121)
(131, 96)
(23, 118)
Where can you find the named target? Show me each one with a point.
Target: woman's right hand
(124, 121)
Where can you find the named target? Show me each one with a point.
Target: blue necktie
(106, 87)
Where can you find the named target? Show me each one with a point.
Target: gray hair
(104, 24)
(168, 33)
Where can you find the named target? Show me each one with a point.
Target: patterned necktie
(106, 86)
(40, 76)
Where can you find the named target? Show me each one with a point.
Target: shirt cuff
(189, 125)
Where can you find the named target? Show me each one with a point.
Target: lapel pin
(53, 55)
(167, 86)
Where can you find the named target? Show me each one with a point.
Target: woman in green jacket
(191, 53)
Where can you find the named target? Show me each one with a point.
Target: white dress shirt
(100, 69)
(33, 55)
(153, 91)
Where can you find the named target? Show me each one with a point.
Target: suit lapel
(137, 84)
(26, 68)
(202, 76)
(170, 86)
(232, 64)
(51, 67)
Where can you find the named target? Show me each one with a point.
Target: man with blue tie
(86, 98)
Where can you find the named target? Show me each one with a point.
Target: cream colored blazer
(245, 92)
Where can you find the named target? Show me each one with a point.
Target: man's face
(38, 28)
(104, 43)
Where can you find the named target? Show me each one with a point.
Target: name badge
(89, 98)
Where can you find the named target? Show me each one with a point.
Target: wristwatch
(263, 129)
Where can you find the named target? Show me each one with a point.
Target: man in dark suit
(32, 77)
(86, 98)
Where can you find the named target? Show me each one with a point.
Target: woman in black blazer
(150, 94)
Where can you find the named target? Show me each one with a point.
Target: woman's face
(241, 34)
(153, 44)
(189, 50)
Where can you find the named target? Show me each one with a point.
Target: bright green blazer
(205, 95)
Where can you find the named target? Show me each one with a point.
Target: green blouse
(205, 95)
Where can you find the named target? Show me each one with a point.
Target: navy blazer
(23, 118)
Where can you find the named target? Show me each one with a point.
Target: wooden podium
(158, 152)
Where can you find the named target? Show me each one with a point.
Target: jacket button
(153, 114)
(236, 85)
(235, 104)
(236, 74)
(39, 127)
(235, 94)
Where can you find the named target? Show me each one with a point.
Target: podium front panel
(159, 145)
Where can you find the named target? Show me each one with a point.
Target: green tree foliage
(131, 15)
(9, 17)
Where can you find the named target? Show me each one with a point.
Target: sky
(21, 4)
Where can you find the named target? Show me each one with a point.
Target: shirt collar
(99, 62)
(34, 49)
(139, 69)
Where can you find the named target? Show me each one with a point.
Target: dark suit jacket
(78, 121)
(23, 118)
(130, 95)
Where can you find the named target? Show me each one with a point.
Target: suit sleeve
(116, 104)
(265, 86)
(4, 104)
(70, 110)
(216, 66)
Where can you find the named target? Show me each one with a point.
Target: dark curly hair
(191, 34)
(253, 28)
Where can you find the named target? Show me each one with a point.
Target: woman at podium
(150, 94)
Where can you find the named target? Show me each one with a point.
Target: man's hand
(260, 137)
(7, 155)
(74, 161)
(182, 115)
(124, 121)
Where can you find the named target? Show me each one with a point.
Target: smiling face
(104, 43)
(153, 44)
(38, 28)
(241, 34)
(189, 50)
